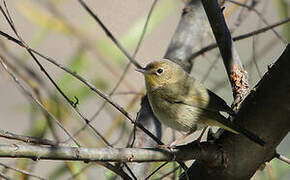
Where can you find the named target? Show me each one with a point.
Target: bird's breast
(178, 116)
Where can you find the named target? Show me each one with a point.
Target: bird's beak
(142, 70)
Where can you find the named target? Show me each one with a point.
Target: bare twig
(264, 50)
(26, 92)
(107, 165)
(255, 43)
(109, 34)
(240, 37)
(4, 176)
(85, 41)
(167, 174)
(270, 171)
(31, 78)
(260, 16)
(242, 15)
(156, 170)
(30, 51)
(126, 68)
(129, 169)
(283, 158)
(22, 171)
(87, 83)
(210, 68)
(79, 172)
(129, 93)
(27, 139)
(115, 169)
(91, 86)
(12, 26)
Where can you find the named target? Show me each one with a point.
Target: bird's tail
(234, 128)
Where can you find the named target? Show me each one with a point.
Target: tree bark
(266, 112)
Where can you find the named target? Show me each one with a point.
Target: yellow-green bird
(184, 104)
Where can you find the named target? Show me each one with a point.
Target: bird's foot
(170, 146)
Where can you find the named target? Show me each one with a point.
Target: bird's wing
(194, 94)
(218, 103)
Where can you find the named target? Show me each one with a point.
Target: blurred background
(63, 30)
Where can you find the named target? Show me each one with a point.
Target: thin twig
(283, 158)
(30, 51)
(79, 172)
(265, 49)
(109, 34)
(26, 92)
(115, 169)
(125, 70)
(4, 176)
(107, 165)
(87, 83)
(255, 43)
(11, 24)
(237, 38)
(32, 79)
(27, 139)
(129, 93)
(270, 172)
(130, 171)
(156, 170)
(260, 16)
(86, 41)
(167, 174)
(213, 64)
(240, 16)
(21, 171)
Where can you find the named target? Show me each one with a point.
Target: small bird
(181, 102)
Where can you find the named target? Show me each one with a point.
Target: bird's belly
(180, 117)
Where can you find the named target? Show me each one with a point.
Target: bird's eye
(159, 71)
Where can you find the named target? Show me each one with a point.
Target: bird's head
(161, 73)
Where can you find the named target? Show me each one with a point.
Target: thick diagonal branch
(266, 112)
(236, 73)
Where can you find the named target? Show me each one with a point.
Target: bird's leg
(181, 138)
(172, 145)
(202, 132)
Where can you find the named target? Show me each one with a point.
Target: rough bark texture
(266, 112)
(190, 28)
